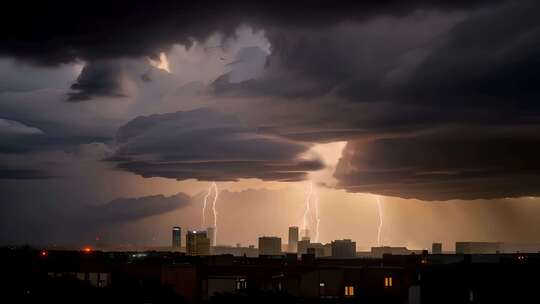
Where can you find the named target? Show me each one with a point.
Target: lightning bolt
(379, 206)
(204, 205)
(307, 209)
(214, 211)
(317, 219)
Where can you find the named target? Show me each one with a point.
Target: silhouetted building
(269, 245)
(197, 243)
(303, 245)
(211, 235)
(250, 252)
(479, 247)
(176, 237)
(436, 248)
(293, 239)
(378, 252)
(343, 249)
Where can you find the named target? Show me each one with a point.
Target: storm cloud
(208, 145)
(411, 76)
(61, 32)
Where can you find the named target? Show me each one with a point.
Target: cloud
(66, 221)
(59, 32)
(98, 79)
(14, 128)
(131, 209)
(207, 145)
(452, 163)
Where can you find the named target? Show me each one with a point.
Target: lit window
(322, 289)
(241, 284)
(388, 282)
(349, 291)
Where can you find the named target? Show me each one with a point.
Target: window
(387, 281)
(241, 284)
(322, 289)
(349, 291)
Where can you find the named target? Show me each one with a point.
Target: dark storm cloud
(393, 80)
(490, 61)
(98, 79)
(456, 163)
(131, 209)
(62, 221)
(49, 33)
(18, 173)
(207, 145)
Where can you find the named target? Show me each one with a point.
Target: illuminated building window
(387, 281)
(349, 291)
(322, 289)
(241, 284)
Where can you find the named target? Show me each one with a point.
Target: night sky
(115, 118)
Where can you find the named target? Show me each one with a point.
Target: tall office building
(293, 239)
(197, 243)
(343, 249)
(211, 235)
(436, 248)
(269, 245)
(176, 237)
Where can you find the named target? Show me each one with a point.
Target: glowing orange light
(87, 249)
(44, 253)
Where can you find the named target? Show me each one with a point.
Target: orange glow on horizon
(87, 250)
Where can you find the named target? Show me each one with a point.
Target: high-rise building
(343, 249)
(436, 248)
(269, 245)
(176, 237)
(197, 243)
(211, 235)
(293, 239)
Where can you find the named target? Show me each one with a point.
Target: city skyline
(206, 152)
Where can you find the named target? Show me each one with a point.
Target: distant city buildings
(303, 245)
(436, 248)
(343, 249)
(250, 251)
(197, 243)
(269, 245)
(320, 250)
(293, 239)
(378, 252)
(176, 238)
(479, 247)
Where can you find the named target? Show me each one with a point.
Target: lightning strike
(317, 218)
(307, 209)
(204, 206)
(214, 211)
(379, 206)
